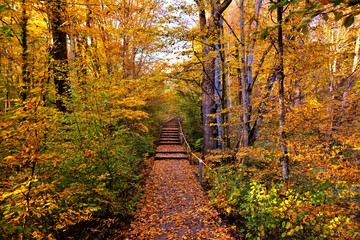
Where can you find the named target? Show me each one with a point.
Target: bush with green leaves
(268, 211)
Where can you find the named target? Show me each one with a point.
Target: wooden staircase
(169, 145)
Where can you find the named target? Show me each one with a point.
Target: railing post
(181, 138)
(190, 155)
(200, 171)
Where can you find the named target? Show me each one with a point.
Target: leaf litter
(174, 206)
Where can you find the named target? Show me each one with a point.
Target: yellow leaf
(228, 209)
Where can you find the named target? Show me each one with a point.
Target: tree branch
(261, 62)
(224, 5)
(231, 29)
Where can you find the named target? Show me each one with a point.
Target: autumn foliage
(268, 93)
(318, 198)
(76, 125)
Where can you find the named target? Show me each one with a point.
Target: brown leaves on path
(174, 206)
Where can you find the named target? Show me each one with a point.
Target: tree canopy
(268, 94)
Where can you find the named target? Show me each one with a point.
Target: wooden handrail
(183, 140)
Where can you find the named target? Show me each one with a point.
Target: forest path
(174, 205)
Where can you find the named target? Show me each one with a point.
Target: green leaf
(278, 5)
(305, 29)
(272, 8)
(325, 16)
(337, 2)
(264, 35)
(338, 15)
(283, 3)
(288, 225)
(4, 8)
(349, 20)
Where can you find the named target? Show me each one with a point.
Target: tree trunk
(207, 105)
(208, 110)
(24, 54)
(219, 87)
(226, 101)
(59, 52)
(245, 95)
(208, 83)
(333, 68)
(250, 56)
(281, 92)
(349, 83)
(7, 101)
(218, 96)
(262, 106)
(246, 62)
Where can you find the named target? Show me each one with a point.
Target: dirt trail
(174, 206)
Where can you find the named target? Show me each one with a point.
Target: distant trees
(82, 96)
(82, 91)
(291, 72)
(210, 35)
(262, 55)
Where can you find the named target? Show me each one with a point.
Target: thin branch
(261, 62)
(12, 30)
(231, 29)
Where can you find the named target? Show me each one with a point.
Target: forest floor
(174, 206)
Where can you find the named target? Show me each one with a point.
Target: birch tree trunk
(245, 97)
(253, 26)
(218, 96)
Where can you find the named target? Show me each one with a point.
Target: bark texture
(210, 29)
(58, 52)
(25, 53)
(281, 95)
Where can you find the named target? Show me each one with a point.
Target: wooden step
(169, 157)
(169, 143)
(167, 148)
(177, 158)
(169, 138)
(172, 152)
